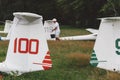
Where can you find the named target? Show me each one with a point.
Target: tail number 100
(25, 45)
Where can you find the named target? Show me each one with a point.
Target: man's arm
(54, 29)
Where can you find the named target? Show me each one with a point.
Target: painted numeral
(28, 45)
(117, 45)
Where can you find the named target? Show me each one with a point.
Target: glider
(48, 25)
(106, 51)
(28, 49)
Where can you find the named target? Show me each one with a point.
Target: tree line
(80, 13)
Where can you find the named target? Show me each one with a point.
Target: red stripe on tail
(47, 60)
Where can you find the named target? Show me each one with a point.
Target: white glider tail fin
(28, 50)
(106, 52)
(49, 26)
(8, 24)
(7, 29)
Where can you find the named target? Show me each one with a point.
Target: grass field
(70, 60)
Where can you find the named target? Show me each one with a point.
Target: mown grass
(70, 61)
(71, 31)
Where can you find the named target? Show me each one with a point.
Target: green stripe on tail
(93, 59)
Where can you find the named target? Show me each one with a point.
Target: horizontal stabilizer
(92, 30)
(109, 18)
(27, 17)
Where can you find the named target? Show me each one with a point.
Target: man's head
(54, 20)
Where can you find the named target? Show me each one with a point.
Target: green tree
(72, 12)
(80, 12)
(46, 8)
(111, 8)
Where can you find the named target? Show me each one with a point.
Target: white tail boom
(106, 52)
(28, 50)
(80, 37)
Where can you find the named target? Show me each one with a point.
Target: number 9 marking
(117, 46)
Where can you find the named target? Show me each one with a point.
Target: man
(56, 29)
